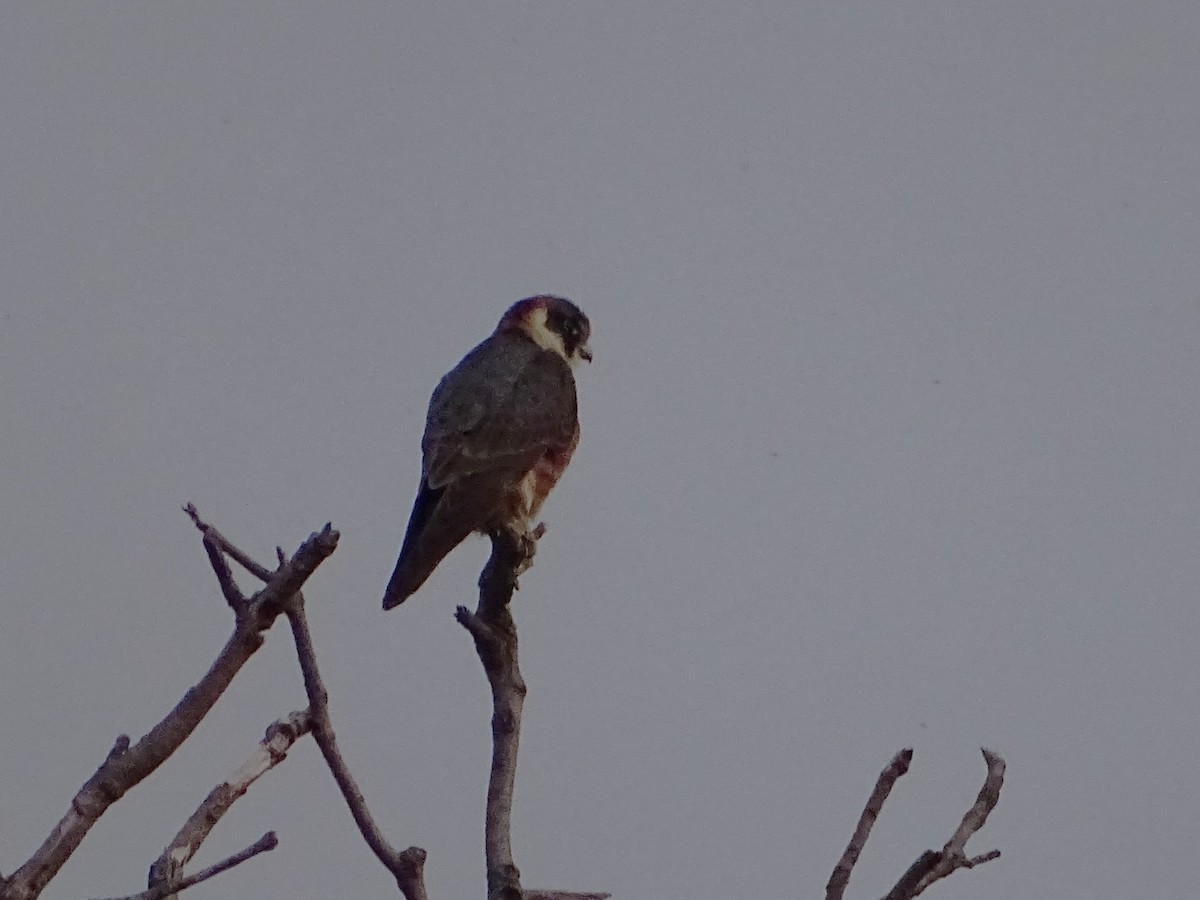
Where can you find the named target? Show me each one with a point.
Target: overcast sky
(891, 437)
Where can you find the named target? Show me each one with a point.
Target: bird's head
(553, 323)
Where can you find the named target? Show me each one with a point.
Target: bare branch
(975, 817)
(216, 558)
(899, 764)
(241, 558)
(267, 842)
(126, 766)
(408, 866)
(284, 585)
(981, 859)
(935, 865)
(953, 856)
(495, 634)
(272, 749)
(121, 771)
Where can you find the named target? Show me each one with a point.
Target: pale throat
(541, 334)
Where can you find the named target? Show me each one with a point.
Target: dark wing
(425, 545)
(491, 418)
(501, 408)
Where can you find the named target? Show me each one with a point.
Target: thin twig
(981, 859)
(267, 842)
(126, 766)
(262, 573)
(272, 750)
(216, 558)
(898, 765)
(407, 866)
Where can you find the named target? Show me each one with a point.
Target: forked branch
(267, 842)
(406, 866)
(166, 874)
(953, 856)
(125, 765)
(932, 865)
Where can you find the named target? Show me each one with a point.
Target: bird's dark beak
(585, 353)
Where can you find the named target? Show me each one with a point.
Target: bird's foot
(525, 547)
(513, 547)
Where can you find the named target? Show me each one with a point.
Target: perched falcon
(501, 428)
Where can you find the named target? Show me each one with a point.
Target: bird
(501, 428)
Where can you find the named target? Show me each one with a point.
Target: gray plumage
(504, 404)
(504, 416)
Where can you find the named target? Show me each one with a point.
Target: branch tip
(119, 748)
(267, 842)
(414, 856)
(897, 766)
(932, 865)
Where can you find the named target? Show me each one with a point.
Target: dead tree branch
(262, 573)
(407, 866)
(932, 865)
(267, 842)
(953, 855)
(495, 634)
(166, 872)
(887, 780)
(125, 765)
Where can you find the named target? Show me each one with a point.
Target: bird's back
(506, 407)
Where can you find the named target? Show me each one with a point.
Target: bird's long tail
(426, 542)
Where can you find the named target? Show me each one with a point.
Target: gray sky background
(891, 436)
